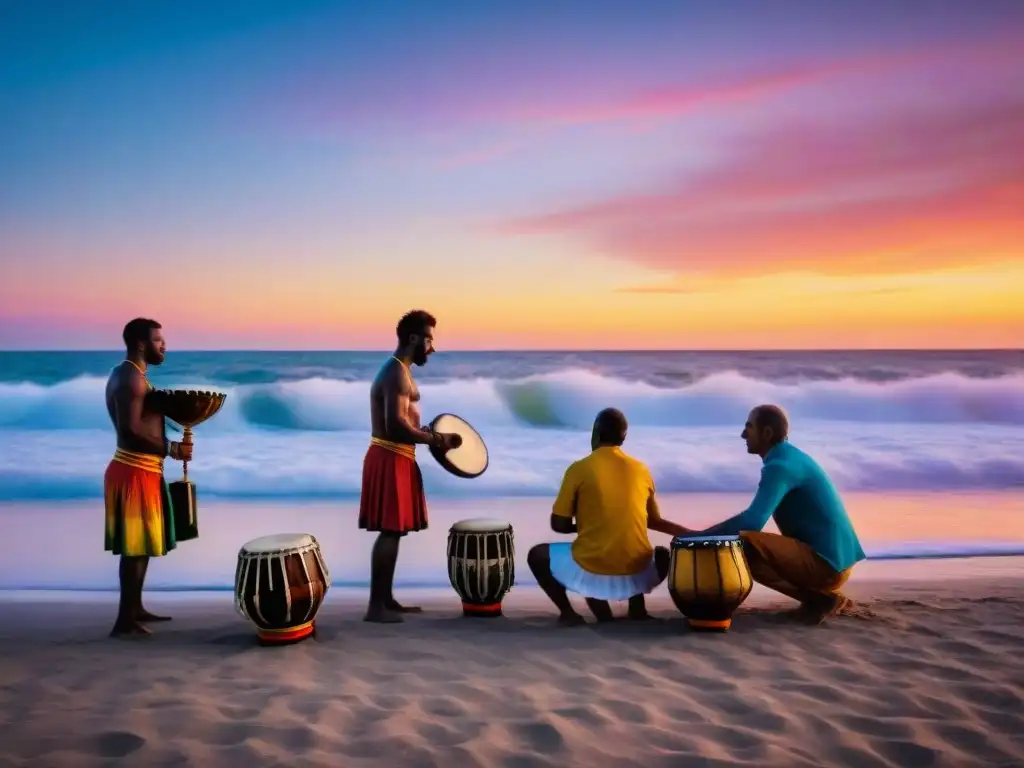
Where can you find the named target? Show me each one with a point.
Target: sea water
(941, 431)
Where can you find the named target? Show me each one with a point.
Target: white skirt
(599, 586)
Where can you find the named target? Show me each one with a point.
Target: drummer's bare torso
(126, 393)
(393, 377)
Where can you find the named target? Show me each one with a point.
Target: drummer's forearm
(419, 435)
(404, 431)
(668, 527)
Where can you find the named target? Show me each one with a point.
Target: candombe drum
(708, 580)
(481, 564)
(280, 584)
(188, 408)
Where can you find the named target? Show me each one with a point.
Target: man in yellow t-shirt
(607, 499)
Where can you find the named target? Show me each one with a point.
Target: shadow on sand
(228, 635)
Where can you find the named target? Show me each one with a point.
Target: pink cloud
(646, 107)
(773, 80)
(315, 103)
(826, 195)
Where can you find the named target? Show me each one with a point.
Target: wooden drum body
(708, 579)
(280, 584)
(481, 564)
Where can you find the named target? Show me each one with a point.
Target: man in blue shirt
(812, 558)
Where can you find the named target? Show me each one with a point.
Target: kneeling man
(812, 558)
(607, 499)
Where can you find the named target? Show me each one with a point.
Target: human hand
(181, 451)
(451, 441)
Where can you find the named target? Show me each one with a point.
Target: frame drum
(708, 579)
(481, 564)
(470, 459)
(280, 584)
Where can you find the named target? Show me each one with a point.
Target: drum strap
(402, 449)
(146, 461)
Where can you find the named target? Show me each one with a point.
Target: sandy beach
(934, 677)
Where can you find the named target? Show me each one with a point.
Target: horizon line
(638, 350)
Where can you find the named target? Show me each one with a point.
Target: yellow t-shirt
(607, 492)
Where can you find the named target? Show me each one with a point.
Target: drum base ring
(477, 611)
(286, 636)
(709, 625)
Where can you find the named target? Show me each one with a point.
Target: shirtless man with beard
(139, 520)
(392, 502)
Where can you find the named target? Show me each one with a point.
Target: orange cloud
(896, 191)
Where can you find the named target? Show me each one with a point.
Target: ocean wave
(529, 462)
(566, 399)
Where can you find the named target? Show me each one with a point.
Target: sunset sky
(600, 175)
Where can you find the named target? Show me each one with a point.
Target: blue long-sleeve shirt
(795, 490)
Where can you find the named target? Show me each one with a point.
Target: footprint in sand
(117, 744)
(538, 737)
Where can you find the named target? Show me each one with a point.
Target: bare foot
(129, 629)
(383, 616)
(144, 616)
(840, 605)
(571, 620)
(835, 605)
(397, 607)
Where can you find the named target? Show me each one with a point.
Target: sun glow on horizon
(592, 181)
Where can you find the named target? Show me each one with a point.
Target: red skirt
(392, 497)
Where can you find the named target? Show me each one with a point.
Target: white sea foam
(567, 398)
(307, 437)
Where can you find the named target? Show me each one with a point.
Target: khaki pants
(791, 567)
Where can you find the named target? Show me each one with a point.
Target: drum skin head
(470, 459)
(481, 525)
(278, 542)
(684, 541)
